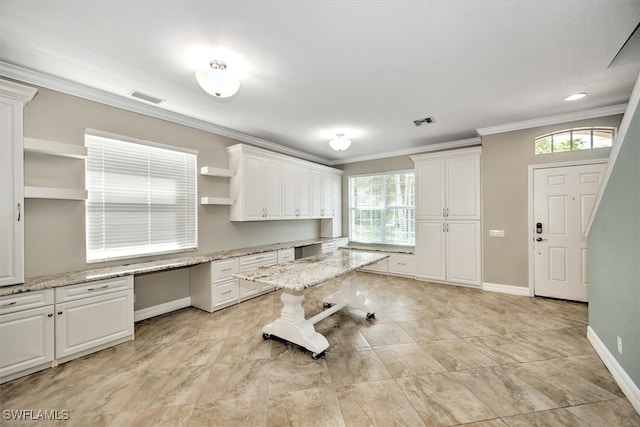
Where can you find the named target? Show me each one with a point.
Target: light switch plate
(496, 233)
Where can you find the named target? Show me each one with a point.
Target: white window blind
(382, 208)
(142, 198)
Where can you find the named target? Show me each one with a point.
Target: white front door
(563, 199)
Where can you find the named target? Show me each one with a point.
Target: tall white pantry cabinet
(13, 98)
(448, 227)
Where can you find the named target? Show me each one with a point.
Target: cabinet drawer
(92, 289)
(329, 247)
(286, 255)
(379, 267)
(248, 288)
(223, 269)
(25, 301)
(252, 262)
(225, 292)
(402, 264)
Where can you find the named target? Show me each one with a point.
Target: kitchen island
(294, 277)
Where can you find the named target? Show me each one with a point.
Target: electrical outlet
(619, 345)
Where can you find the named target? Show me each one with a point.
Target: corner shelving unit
(219, 172)
(60, 150)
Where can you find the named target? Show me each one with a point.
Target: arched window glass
(574, 140)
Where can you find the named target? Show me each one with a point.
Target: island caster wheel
(326, 305)
(371, 316)
(266, 336)
(316, 356)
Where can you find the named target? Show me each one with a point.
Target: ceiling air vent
(424, 121)
(145, 97)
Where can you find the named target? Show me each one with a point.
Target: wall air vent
(145, 97)
(424, 121)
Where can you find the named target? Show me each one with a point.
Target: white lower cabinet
(26, 333)
(213, 286)
(402, 265)
(251, 262)
(381, 267)
(93, 316)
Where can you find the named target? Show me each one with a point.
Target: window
(574, 140)
(382, 208)
(142, 198)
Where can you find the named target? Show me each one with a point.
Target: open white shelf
(54, 148)
(55, 193)
(215, 201)
(211, 171)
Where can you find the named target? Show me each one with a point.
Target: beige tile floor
(435, 355)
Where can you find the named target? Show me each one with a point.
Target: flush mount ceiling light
(216, 80)
(340, 143)
(575, 96)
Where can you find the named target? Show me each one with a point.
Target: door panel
(431, 264)
(463, 248)
(463, 188)
(563, 200)
(430, 201)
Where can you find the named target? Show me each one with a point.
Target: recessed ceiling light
(575, 96)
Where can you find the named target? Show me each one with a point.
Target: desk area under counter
(56, 318)
(401, 261)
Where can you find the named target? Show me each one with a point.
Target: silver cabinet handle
(10, 304)
(97, 289)
(226, 269)
(50, 315)
(226, 292)
(444, 212)
(19, 212)
(401, 263)
(60, 312)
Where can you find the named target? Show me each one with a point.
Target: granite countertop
(392, 249)
(312, 271)
(64, 279)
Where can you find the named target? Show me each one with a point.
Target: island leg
(293, 327)
(349, 296)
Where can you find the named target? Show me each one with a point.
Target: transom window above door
(574, 140)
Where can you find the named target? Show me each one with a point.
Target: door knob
(540, 239)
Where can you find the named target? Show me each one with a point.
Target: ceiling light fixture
(575, 96)
(216, 80)
(340, 143)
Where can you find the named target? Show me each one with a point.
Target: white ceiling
(368, 68)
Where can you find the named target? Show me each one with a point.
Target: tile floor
(434, 355)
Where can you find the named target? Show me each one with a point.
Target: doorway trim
(530, 234)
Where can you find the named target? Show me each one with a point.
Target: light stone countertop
(392, 249)
(64, 279)
(312, 271)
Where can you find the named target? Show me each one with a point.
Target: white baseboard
(628, 387)
(506, 289)
(159, 309)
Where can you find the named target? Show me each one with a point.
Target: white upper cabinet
(296, 190)
(448, 188)
(13, 97)
(270, 186)
(256, 186)
(331, 226)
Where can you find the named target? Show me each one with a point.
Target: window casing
(574, 140)
(382, 208)
(142, 198)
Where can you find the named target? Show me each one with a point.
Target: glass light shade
(575, 96)
(217, 82)
(340, 143)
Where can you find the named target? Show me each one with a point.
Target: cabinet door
(317, 194)
(463, 252)
(27, 339)
(430, 249)
(272, 188)
(463, 188)
(430, 185)
(92, 322)
(253, 188)
(303, 181)
(290, 195)
(11, 193)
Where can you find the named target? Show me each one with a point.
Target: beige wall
(54, 229)
(505, 164)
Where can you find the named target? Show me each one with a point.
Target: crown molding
(414, 150)
(17, 91)
(37, 78)
(552, 120)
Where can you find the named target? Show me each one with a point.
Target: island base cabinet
(26, 342)
(91, 324)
